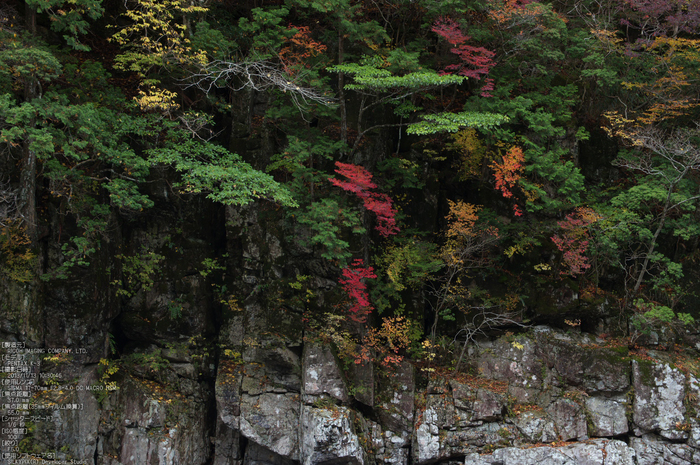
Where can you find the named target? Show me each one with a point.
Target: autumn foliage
(573, 242)
(298, 49)
(385, 344)
(466, 241)
(508, 172)
(475, 62)
(356, 289)
(360, 183)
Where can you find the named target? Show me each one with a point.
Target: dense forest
(558, 142)
(419, 174)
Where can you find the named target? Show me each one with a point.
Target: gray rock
(608, 416)
(227, 445)
(396, 447)
(321, 374)
(595, 370)
(536, 426)
(534, 456)
(596, 452)
(653, 450)
(161, 428)
(255, 454)
(600, 452)
(659, 391)
(272, 420)
(519, 366)
(328, 437)
(488, 406)
(397, 392)
(427, 443)
(569, 418)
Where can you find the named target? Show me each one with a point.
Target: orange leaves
(461, 218)
(386, 342)
(300, 47)
(466, 241)
(509, 172)
(510, 13)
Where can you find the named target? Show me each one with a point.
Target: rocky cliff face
(208, 363)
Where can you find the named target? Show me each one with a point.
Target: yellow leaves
(157, 100)
(465, 241)
(16, 257)
(608, 39)
(155, 37)
(471, 151)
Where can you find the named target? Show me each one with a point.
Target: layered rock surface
(252, 385)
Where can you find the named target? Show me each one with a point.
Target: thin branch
(259, 76)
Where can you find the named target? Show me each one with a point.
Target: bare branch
(8, 203)
(259, 76)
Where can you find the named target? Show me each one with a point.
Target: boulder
(321, 374)
(608, 416)
(659, 391)
(328, 437)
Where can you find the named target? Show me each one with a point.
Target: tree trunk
(27, 177)
(27, 191)
(341, 96)
(652, 245)
(30, 18)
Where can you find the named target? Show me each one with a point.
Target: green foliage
(69, 17)
(453, 122)
(138, 271)
(209, 265)
(213, 170)
(25, 62)
(265, 31)
(401, 172)
(407, 264)
(327, 218)
(213, 42)
(151, 362)
(653, 314)
(301, 158)
(369, 77)
(175, 308)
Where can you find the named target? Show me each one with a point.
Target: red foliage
(508, 173)
(357, 290)
(360, 178)
(360, 181)
(476, 62)
(573, 242)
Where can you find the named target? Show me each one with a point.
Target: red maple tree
(573, 243)
(476, 62)
(356, 289)
(359, 183)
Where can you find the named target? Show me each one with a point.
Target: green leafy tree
(69, 17)
(378, 86)
(663, 198)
